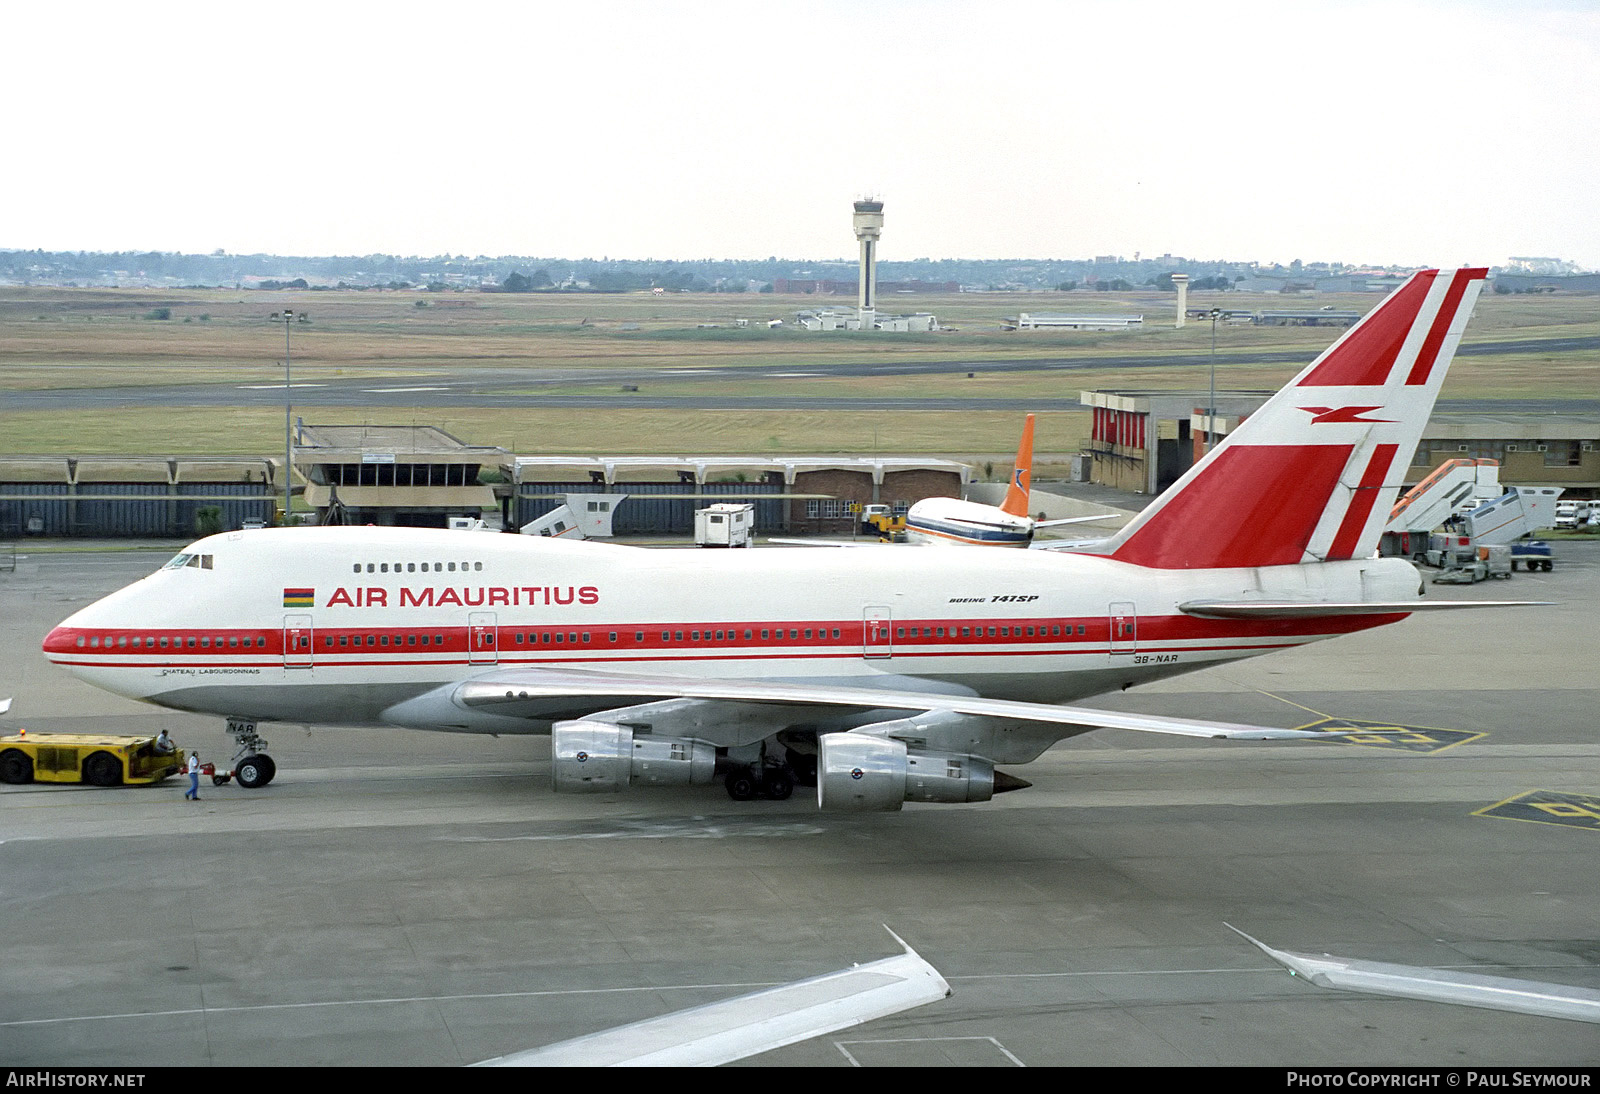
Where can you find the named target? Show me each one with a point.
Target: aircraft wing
(1079, 520)
(733, 1029)
(1305, 609)
(1437, 985)
(506, 689)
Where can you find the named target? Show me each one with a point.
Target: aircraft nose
(61, 640)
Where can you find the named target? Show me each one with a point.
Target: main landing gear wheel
(773, 783)
(742, 785)
(778, 784)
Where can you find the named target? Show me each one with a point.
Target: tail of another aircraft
(1016, 502)
(1311, 476)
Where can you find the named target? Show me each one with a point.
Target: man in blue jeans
(193, 769)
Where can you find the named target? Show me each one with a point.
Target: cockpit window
(199, 562)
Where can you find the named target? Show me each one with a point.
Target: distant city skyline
(1404, 133)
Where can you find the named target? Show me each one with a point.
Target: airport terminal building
(421, 476)
(1143, 441)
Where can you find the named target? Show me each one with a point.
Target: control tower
(868, 225)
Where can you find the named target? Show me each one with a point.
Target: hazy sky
(1398, 131)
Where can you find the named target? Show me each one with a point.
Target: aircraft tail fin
(1016, 502)
(1311, 476)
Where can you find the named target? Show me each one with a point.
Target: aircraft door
(1124, 627)
(297, 642)
(878, 633)
(480, 639)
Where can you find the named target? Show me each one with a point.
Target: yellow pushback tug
(98, 759)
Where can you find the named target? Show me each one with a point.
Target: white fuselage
(338, 625)
(952, 521)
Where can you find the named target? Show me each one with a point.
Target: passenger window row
(1038, 630)
(347, 641)
(176, 642)
(413, 567)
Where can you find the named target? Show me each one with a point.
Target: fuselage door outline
(481, 645)
(297, 642)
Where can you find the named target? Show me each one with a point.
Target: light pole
(288, 442)
(1211, 404)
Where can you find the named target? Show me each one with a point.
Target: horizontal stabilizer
(1313, 609)
(1079, 520)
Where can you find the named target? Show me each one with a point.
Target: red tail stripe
(1254, 505)
(1366, 356)
(1441, 325)
(1366, 495)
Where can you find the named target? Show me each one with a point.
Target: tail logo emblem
(1320, 414)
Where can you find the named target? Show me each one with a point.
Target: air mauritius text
(481, 597)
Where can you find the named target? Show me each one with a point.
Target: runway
(403, 898)
(467, 384)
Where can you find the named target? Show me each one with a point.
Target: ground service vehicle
(95, 758)
(880, 521)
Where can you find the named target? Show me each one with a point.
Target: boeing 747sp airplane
(887, 675)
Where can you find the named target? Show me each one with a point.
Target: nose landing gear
(252, 767)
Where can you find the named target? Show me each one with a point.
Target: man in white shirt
(194, 777)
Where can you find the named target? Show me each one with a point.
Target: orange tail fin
(1016, 502)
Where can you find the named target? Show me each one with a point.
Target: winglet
(1437, 985)
(1016, 502)
(5, 704)
(1282, 958)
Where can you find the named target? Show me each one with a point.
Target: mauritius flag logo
(299, 598)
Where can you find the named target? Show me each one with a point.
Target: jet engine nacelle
(858, 773)
(601, 758)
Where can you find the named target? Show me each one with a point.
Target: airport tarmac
(405, 898)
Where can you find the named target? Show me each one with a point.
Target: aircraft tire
(778, 784)
(742, 785)
(16, 766)
(252, 773)
(270, 764)
(102, 769)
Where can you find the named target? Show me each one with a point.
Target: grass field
(76, 338)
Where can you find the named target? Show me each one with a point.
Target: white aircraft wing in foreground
(1437, 985)
(734, 1029)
